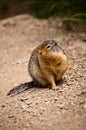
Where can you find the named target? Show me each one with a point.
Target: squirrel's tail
(22, 87)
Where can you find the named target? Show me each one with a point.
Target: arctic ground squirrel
(47, 65)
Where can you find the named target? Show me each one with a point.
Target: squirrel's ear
(55, 43)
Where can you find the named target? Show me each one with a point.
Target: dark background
(71, 11)
(42, 8)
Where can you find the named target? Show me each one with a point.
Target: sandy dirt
(41, 108)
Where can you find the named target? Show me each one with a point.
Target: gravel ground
(41, 108)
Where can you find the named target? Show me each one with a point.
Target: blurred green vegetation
(70, 10)
(44, 9)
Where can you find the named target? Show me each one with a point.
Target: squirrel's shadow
(27, 85)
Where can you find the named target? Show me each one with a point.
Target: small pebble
(10, 116)
(3, 105)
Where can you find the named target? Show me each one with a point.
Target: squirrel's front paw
(54, 87)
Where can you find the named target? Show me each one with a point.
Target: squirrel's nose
(40, 52)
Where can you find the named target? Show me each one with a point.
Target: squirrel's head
(47, 46)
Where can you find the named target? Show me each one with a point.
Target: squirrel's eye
(48, 46)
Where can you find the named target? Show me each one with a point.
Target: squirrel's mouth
(42, 53)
